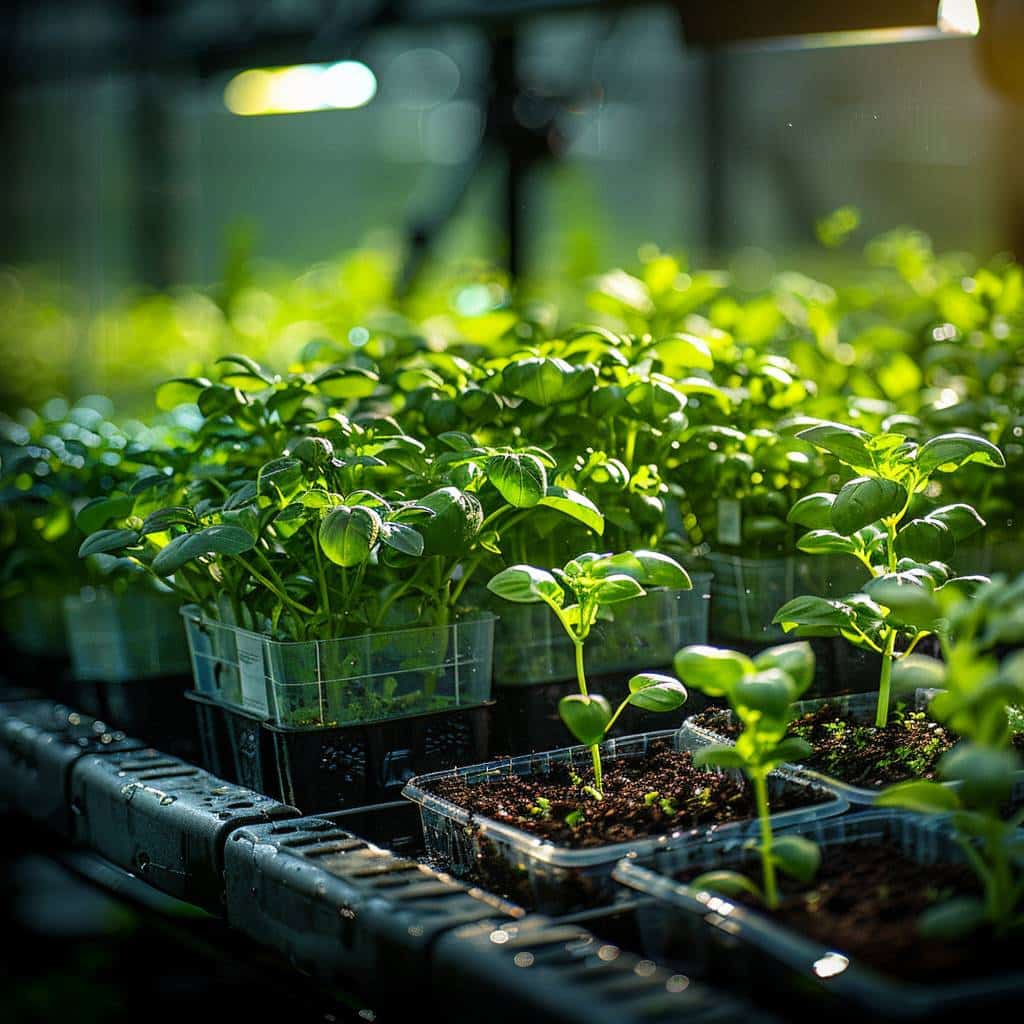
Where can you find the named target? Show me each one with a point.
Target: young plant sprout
(870, 519)
(595, 582)
(761, 693)
(975, 694)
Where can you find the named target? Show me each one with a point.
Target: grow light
(302, 88)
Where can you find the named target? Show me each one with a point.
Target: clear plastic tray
(747, 592)
(559, 876)
(716, 934)
(531, 647)
(116, 638)
(34, 624)
(861, 707)
(347, 681)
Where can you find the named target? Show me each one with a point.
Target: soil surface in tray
(859, 753)
(865, 903)
(695, 796)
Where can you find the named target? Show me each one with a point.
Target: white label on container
(252, 673)
(730, 521)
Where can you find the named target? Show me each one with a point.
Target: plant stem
(885, 682)
(581, 678)
(595, 756)
(771, 892)
(279, 594)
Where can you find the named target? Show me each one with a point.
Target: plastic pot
(746, 949)
(747, 592)
(560, 878)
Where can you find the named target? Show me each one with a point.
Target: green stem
(279, 594)
(581, 679)
(771, 892)
(595, 756)
(885, 682)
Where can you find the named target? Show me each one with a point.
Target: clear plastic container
(560, 877)
(861, 707)
(347, 681)
(747, 592)
(34, 624)
(531, 647)
(116, 638)
(712, 933)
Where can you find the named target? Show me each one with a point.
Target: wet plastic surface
(164, 820)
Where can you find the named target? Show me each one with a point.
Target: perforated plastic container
(117, 638)
(560, 877)
(347, 681)
(731, 942)
(747, 592)
(531, 647)
(861, 708)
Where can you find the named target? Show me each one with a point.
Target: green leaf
(546, 381)
(952, 920)
(164, 518)
(713, 670)
(617, 588)
(864, 501)
(521, 479)
(791, 750)
(455, 524)
(684, 351)
(908, 598)
(918, 672)
(180, 391)
(525, 584)
(654, 692)
(662, 571)
(919, 795)
(313, 451)
(962, 521)
(797, 857)
(95, 514)
(222, 539)
(848, 444)
(104, 541)
(575, 505)
(719, 755)
(347, 535)
(769, 692)
(985, 775)
(728, 883)
(826, 542)
(949, 452)
(796, 660)
(813, 511)
(280, 480)
(246, 373)
(586, 718)
(402, 538)
(925, 540)
(815, 612)
(353, 382)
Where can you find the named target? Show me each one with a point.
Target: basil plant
(596, 582)
(880, 519)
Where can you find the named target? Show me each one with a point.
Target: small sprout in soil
(541, 808)
(574, 818)
(595, 582)
(761, 693)
(880, 518)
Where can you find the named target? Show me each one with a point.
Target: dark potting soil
(859, 753)
(696, 796)
(865, 903)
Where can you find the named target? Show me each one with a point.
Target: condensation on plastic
(747, 592)
(532, 647)
(717, 933)
(346, 681)
(117, 638)
(458, 839)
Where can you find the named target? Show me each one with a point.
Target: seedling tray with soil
(847, 940)
(505, 821)
(851, 753)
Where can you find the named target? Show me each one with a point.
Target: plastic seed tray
(539, 970)
(560, 878)
(39, 742)
(164, 820)
(735, 944)
(338, 906)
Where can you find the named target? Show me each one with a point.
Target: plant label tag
(253, 676)
(730, 522)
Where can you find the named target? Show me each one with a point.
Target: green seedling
(975, 696)
(874, 519)
(596, 582)
(761, 693)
